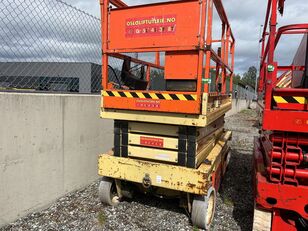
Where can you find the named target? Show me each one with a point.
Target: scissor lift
(280, 152)
(169, 142)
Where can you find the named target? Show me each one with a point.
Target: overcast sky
(50, 31)
(245, 17)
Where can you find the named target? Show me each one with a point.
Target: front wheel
(107, 191)
(203, 209)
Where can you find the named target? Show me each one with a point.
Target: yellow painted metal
(151, 95)
(215, 156)
(301, 100)
(205, 131)
(165, 145)
(140, 95)
(206, 146)
(153, 154)
(165, 118)
(161, 175)
(210, 112)
(168, 176)
(204, 152)
(298, 99)
(215, 114)
(204, 104)
(279, 99)
(169, 143)
(153, 129)
(128, 95)
(213, 104)
(155, 117)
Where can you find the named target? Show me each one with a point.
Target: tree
(249, 77)
(237, 79)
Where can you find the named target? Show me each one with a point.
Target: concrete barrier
(48, 147)
(239, 105)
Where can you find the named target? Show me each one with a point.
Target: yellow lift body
(169, 141)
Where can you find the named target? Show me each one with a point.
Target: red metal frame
(193, 33)
(281, 178)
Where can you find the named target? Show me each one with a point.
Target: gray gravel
(81, 210)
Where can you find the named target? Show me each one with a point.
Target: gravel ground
(81, 210)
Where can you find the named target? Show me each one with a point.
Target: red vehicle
(281, 150)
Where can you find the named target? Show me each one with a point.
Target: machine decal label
(150, 26)
(158, 179)
(141, 103)
(301, 122)
(151, 142)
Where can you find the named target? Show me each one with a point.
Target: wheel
(262, 220)
(203, 209)
(107, 192)
(227, 161)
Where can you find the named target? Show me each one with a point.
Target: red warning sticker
(151, 142)
(150, 26)
(147, 103)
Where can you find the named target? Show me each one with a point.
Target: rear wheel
(203, 210)
(262, 220)
(107, 191)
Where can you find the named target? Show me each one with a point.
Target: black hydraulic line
(115, 74)
(302, 224)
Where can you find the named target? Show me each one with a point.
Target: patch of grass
(246, 111)
(228, 201)
(195, 228)
(101, 218)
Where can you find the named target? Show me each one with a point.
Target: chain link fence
(48, 45)
(240, 92)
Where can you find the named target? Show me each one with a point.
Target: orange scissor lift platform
(169, 141)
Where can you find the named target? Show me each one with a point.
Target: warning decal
(149, 26)
(151, 142)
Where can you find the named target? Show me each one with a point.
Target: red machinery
(281, 151)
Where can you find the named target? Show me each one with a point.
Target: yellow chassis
(196, 181)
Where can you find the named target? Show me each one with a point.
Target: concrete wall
(239, 105)
(48, 147)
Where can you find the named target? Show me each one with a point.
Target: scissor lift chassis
(197, 186)
(193, 174)
(169, 142)
(189, 180)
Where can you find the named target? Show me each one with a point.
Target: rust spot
(202, 182)
(190, 185)
(179, 183)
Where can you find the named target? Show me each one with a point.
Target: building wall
(25, 74)
(48, 147)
